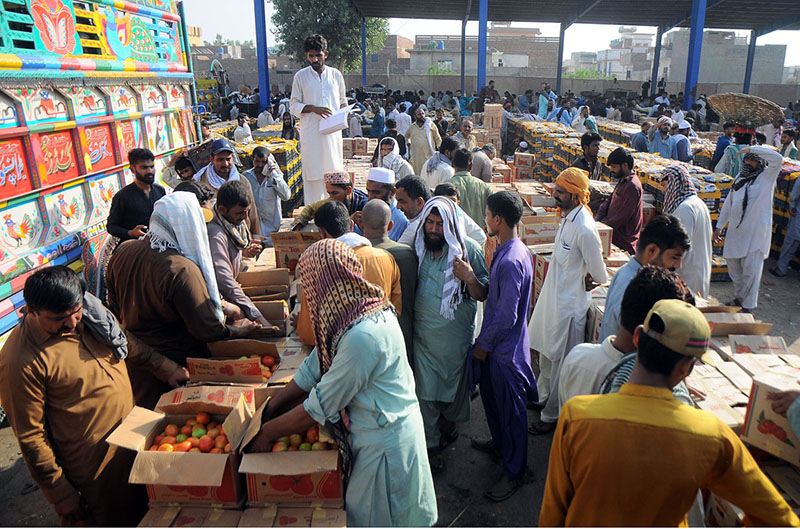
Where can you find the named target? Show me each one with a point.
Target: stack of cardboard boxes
(493, 122)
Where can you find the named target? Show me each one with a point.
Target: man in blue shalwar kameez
(502, 361)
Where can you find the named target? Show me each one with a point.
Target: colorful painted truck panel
(88, 81)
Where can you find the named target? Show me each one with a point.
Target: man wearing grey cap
(222, 169)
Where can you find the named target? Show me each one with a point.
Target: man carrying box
(559, 318)
(607, 447)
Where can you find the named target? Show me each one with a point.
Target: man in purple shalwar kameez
(501, 355)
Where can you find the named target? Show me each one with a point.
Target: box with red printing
(524, 159)
(766, 429)
(290, 477)
(522, 172)
(606, 233)
(185, 478)
(360, 146)
(539, 230)
(348, 148)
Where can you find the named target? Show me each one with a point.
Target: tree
(335, 20)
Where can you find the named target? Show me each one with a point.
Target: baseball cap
(218, 146)
(686, 330)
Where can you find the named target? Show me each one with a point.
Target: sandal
(541, 427)
(507, 489)
(487, 446)
(445, 441)
(436, 462)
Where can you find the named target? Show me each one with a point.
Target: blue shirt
(616, 291)
(639, 142)
(524, 103)
(399, 220)
(665, 148)
(722, 144)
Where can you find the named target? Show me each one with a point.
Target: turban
(338, 177)
(576, 182)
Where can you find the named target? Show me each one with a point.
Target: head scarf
(177, 222)
(453, 291)
(576, 182)
(214, 180)
(392, 161)
(747, 176)
(240, 235)
(338, 298)
(679, 187)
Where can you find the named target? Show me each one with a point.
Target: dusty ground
(468, 472)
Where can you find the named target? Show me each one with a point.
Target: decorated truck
(81, 83)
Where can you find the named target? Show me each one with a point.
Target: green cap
(686, 330)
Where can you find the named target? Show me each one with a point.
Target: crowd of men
(407, 319)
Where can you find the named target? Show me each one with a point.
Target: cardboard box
(765, 429)
(524, 159)
(594, 320)
(648, 213)
(606, 233)
(733, 417)
(523, 172)
(360, 146)
(772, 345)
(725, 324)
(539, 230)
(293, 516)
(208, 398)
(290, 244)
(266, 284)
(347, 147)
(173, 516)
(276, 312)
(184, 478)
(722, 513)
(290, 477)
(290, 358)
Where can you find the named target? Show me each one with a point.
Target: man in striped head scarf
(452, 279)
(681, 200)
(358, 380)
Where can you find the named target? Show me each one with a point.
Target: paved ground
(468, 472)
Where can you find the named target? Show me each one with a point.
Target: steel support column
(264, 88)
(463, 55)
(483, 22)
(695, 50)
(656, 62)
(751, 55)
(363, 52)
(561, 31)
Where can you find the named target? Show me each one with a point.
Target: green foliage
(335, 20)
(219, 41)
(586, 73)
(435, 70)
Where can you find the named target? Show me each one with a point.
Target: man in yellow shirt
(638, 457)
(380, 267)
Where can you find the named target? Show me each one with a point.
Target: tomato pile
(199, 434)
(268, 365)
(301, 442)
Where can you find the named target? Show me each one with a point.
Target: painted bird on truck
(18, 232)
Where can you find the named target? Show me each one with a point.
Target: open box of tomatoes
(188, 456)
(302, 468)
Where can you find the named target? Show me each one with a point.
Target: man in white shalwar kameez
(747, 212)
(317, 91)
(559, 318)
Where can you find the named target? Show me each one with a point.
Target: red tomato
(206, 443)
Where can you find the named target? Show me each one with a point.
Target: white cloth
(264, 119)
(393, 114)
(678, 116)
(547, 383)
(453, 288)
(469, 227)
(754, 232)
(442, 173)
(177, 222)
(696, 264)
(323, 152)
(214, 180)
(403, 122)
(745, 273)
(355, 126)
(242, 134)
(393, 161)
(564, 301)
(772, 133)
(585, 367)
(314, 191)
(354, 240)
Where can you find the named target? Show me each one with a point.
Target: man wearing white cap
(660, 141)
(380, 185)
(523, 147)
(683, 149)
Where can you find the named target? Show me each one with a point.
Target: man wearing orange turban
(558, 320)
